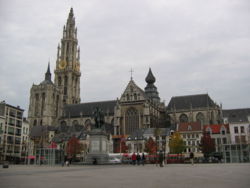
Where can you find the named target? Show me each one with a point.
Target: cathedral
(58, 104)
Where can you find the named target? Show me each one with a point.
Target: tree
(74, 147)
(123, 148)
(176, 144)
(207, 144)
(150, 146)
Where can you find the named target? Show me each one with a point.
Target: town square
(124, 94)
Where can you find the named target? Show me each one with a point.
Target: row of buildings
(56, 113)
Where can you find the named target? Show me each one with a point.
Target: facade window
(127, 97)
(242, 129)
(135, 96)
(218, 141)
(35, 122)
(224, 140)
(223, 131)
(11, 130)
(236, 130)
(200, 118)
(75, 122)
(183, 118)
(132, 120)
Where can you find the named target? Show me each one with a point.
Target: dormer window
(208, 130)
(223, 131)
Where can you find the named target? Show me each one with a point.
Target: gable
(132, 93)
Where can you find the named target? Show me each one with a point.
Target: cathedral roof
(86, 109)
(237, 115)
(190, 101)
(150, 79)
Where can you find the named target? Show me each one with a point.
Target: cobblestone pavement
(119, 176)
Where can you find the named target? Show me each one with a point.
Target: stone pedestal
(98, 150)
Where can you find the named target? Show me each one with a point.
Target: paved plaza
(121, 176)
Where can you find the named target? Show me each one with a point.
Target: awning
(31, 157)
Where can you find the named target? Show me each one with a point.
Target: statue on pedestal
(98, 117)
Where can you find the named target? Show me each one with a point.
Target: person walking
(161, 158)
(143, 159)
(191, 156)
(133, 158)
(138, 158)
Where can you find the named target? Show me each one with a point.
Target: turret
(151, 90)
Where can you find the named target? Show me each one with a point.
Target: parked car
(114, 160)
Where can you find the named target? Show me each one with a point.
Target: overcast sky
(192, 47)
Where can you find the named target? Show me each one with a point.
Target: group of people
(138, 159)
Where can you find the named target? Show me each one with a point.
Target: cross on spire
(131, 74)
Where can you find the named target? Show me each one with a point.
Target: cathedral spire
(48, 74)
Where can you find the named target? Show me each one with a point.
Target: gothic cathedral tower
(67, 72)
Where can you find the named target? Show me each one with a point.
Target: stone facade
(47, 98)
(194, 108)
(45, 103)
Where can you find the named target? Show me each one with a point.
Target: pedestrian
(62, 163)
(138, 158)
(191, 156)
(67, 163)
(161, 159)
(133, 158)
(143, 159)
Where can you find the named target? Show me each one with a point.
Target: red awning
(31, 157)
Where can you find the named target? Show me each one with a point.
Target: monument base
(98, 150)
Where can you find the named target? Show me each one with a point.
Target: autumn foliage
(74, 147)
(150, 146)
(207, 144)
(176, 143)
(123, 148)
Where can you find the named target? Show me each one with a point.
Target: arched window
(59, 81)
(183, 118)
(63, 126)
(131, 120)
(87, 124)
(75, 122)
(200, 118)
(35, 122)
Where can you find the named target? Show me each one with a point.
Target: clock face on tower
(62, 64)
